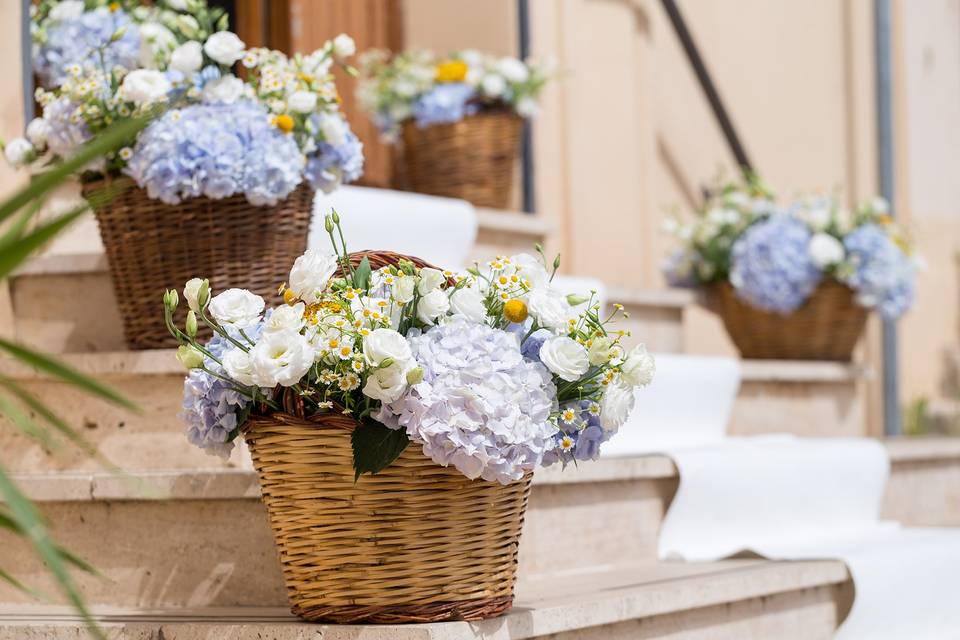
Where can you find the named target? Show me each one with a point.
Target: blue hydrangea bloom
(882, 274)
(444, 103)
(77, 41)
(330, 166)
(583, 431)
(216, 150)
(771, 267)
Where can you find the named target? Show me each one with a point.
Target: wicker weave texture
(827, 327)
(472, 159)
(416, 542)
(152, 246)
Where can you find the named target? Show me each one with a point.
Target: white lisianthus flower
(818, 218)
(302, 101)
(224, 47)
(432, 306)
(513, 70)
(66, 10)
(825, 250)
(285, 318)
(527, 107)
(311, 273)
(189, 356)
(239, 366)
(493, 85)
(145, 86)
(430, 279)
(531, 268)
(177, 5)
(549, 308)
(225, 90)
(638, 368)
(37, 132)
(603, 350)
(19, 152)
(468, 302)
(404, 288)
(386, 343)
(236, 307)
(155, 42)
(280, 358)
(190, 292)
(187, 58)
(387, 384)
(616, 404)
(565, 357)
(344, 46)
(334, 129)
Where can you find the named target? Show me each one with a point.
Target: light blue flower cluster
(445, 103)
(580, 434)
(66, 131)
(330, 166)
(880, 273)
(78, 40)
(216, 150)
(211, 406)
(771, 267)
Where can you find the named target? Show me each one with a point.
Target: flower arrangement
(776, 255)
(420, 86)
(492, 371)
(216, 134)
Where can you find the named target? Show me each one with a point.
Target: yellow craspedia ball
(451, 71)
(289, 296)
(284, 123)
(515, 310)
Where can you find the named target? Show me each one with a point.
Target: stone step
(731, 599)
(63, 301)
(202, 538)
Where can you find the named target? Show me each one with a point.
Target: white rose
(432, 306)
(616, 405)
(638, 368)
(155, 41)
(225, 90)
(334, 129)
(344, 46)
(493, 85)
(144, 86)
(565, 357)
(404, 288)
(386, 343)
(468, 302)
(188, 57)
(430, 279)
(387, 384)
(37, 132)
(302, 101)
(239, 366)
(285, 318)
(224, 47)
(310, 274)
(513, 70)
(603, 350)
(549, 308)
(531, 269)
(190, 292)
(825, 250)
(67, 10)
(527, 107)
(19, 152)
(236, 307)
(280, 358)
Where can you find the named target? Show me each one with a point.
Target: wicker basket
(827, 327)
(151, 245)
(472, 159)
(416, 542)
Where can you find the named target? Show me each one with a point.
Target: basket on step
(826, 327)
(472, 159)
(150, 244)
(416, 542)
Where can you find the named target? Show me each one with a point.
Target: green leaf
(109, 140)
(65, 373)
(23, 422)
(375, 447)
(14, 249)
(361, 276)
(19, 586)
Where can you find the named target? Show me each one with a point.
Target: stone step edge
(241, 484)
(583, 601)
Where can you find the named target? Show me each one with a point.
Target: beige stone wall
(11, 125)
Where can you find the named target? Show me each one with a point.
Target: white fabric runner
(792, 498)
